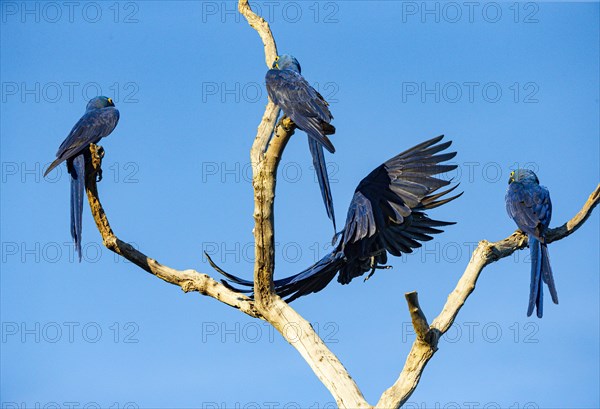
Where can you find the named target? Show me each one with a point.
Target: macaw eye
(276, 58)
(512, 173)
(110, 101)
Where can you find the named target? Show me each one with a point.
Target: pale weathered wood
(188, 280)
(417, 315)
(485, 253)
(262, 28)
(295, 329)
(268, 146)
(265, 156)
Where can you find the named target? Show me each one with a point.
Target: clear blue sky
(510, 83)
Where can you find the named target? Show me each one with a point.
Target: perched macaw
(99, 120)
(386, 215)
(288, 89)
(529, 205)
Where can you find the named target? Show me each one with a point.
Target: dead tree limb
(188, 280)
(265, 156)
(268, 146)
(486, 253)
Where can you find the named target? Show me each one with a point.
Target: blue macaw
(100, 119)
(288, 89)
(386, 215)
(529, 205)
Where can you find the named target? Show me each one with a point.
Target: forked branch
(302, 336)
(265, 156)
(268, 146)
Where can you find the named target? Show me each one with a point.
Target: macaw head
(286, 62)
(99, 102)
(521, 175)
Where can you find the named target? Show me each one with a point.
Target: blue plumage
(288, 89)
(386, 215)
(76, 168)
(99, 120)
(529, 205)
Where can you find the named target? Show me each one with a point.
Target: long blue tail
(316, 150)
(536, 292)
(547, 273)
(541, 272)
(77, 171)
(311, 280)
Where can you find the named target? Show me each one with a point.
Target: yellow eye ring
(110, 101)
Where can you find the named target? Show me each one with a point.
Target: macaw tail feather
(54, 164)
(316, 129)
(547, 273)
(311, 280)
(536, 291)
(76, 168)
(316, 150)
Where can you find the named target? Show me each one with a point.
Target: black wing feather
(386, 215)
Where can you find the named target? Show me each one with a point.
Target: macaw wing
(292, 92)
(391, 192)
(91, 127)
(542, 205)
(528, 204)
(518, 205)
(302, 103)
(386, 212)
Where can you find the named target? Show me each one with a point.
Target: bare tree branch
(295, 329)
(264, 195)
(188, 280)
(419, 321)
(291, 325)
(328, 368)
(268, 146)
(485, 253)
(262, 28)
(267, 124)
(264, 170)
